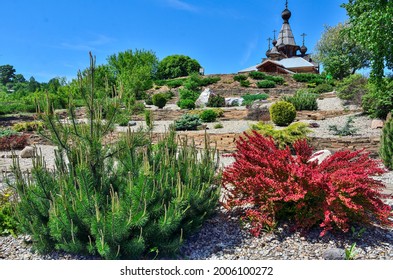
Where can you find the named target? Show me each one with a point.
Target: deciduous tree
(339, 53)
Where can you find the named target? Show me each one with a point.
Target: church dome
(286, 15)
(303, 49)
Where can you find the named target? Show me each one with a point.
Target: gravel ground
(222, 237)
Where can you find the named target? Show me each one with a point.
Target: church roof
(286, 36)
(295, 62)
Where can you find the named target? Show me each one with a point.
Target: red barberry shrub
(269, 184)
(13, 142)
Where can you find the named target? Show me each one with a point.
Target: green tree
(134, 71)
(371, 26)
(7, 74)
(339, 53)
(174, 66)
(33, 85)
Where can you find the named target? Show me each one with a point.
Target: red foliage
(269, 183)
(13, 142)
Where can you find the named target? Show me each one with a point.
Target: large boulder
(27, 152)
(203, 98)
(233, 101)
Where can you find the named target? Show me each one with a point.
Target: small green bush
(159, 100)
(245, 83)
(276, 79)
(208, 115)
(8, 223)
(216, 100)
(7, 132)
(188, 122)
(309, 78)
(322, 88)
(386, 147)
(257, 75)
(175, 83)
(352, 89)
(218, 126)
(149, 119)
(303, 100)
(208, 81)
(239, 78)
(248, 99)
(282, 113)
(218, 111)
(188, 94)
(186, 104)
(266, 84)
(27, 126)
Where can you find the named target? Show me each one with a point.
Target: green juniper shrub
(137, 108)
(186, 104)
(347, 130)
(266, 84)
(248, 99)
(188, 122)
(28, 126)
(257, 75)
(219, 112)
(208, 115)
(188, 94)
(239, 78)
(7, 132)
(245, 83)
(386, 147)
(216, 100)
(282, 113)
(168, 95)
(159, 100)
(116, 201)
(285, 137)
(309, 78)
(322, 88)
(175, 83)
(208, 81)
(302, 100)
(276, 79)
(8, 222)
(352, 89)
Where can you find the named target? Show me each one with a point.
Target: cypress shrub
(159, 100)
(386, 148)
(282, 113)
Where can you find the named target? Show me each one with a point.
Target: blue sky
(46, 38)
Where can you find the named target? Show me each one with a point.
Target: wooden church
(283, 54)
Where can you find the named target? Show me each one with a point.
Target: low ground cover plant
(13, 142)
(285, 137)
(347, 130)
(269, 185)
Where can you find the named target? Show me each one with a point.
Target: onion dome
(268, 53)
(303, 50)
(274, 42)
(286, 15)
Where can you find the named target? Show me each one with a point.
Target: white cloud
(88, 45)
(251, 46)
(182, 5)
